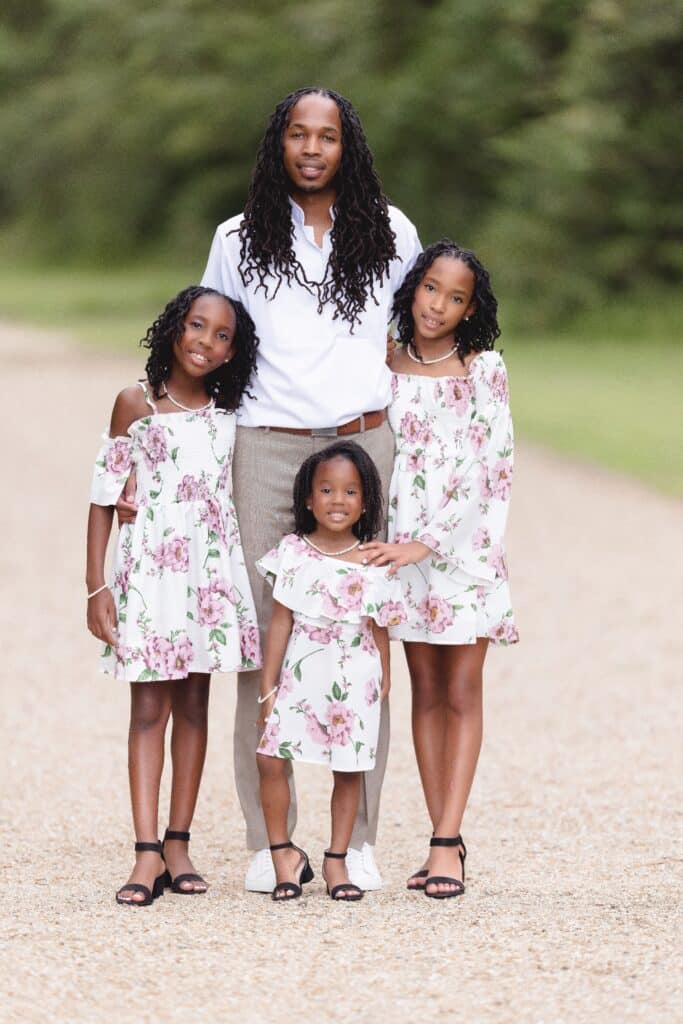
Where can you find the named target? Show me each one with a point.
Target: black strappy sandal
(284, 891)
(356, 892)
(422, 873)
(436, 879)
(150, 895)
(174, 884)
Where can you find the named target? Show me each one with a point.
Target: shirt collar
(298, 214)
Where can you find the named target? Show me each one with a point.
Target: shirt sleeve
(221, 270)
(408, 248)
(468, 530)
(112, 468)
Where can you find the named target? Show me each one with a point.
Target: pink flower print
(331, 604)
(402, 537)
(498, 383)
(211, 515)
(315, 730)
(271, 738)
(394, 386)
(452, 487)
(504, 633)
(122, 577)
(224, 478)
(189, 489)
(179, 658)
(300, 547)
(415, 463)
(210, 608)
(458, 394)
(156, 654)
(154, 446)
(286, 684)
(323, 634)
(351, 590)
(477, 435)
(391, 613)
(224, 589)
(340, 722)
(250, 644)
(436, 612)
(177, 554)
(367, 640)
(410, 428)
(118, 458)
(428, 539)
(501, 479)
(371, 692)
(481, 539)
(496, 559)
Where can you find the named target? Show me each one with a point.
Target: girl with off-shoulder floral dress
(449, 500)
(179, 606)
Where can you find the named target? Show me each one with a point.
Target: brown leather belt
(366, 421)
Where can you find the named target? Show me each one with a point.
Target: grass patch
(606, 389)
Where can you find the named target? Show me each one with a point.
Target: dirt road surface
(572, 910)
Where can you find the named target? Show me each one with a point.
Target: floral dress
(328, 702)
(179, 581)
(450, 489)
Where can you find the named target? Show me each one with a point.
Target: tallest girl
(316, 259)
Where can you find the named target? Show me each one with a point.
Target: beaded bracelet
(262, 700)
(99, 590)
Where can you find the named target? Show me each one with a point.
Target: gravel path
(572, 907)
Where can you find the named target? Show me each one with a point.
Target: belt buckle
(324, 432)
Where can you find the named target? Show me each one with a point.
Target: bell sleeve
(112, 468)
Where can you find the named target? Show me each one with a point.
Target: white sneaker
(260, 873)
(362, 869)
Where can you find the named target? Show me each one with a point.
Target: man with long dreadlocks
(316, 258)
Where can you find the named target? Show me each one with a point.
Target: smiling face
(312, 144)
(208, 337)
(442, 299)
(336, 498)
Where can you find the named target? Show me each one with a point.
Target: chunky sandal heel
(284, 891)
(356, 892)
(444, 879)
(150, 895)
(175, 884)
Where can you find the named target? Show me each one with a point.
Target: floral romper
(450, 489)
(179, 581)
(328, 702)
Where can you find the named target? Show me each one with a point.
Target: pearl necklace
(186, 408)
(344, 551)
(428, 362)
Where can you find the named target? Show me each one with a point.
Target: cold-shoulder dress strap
(148, 397)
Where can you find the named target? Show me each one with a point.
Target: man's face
(312, 143)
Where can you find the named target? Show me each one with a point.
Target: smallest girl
(326, 663)
(179, 606)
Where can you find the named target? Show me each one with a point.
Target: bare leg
(429, 701)
(464, 667)
(344, 806)
(275, 800)
(189, 709)
(150, 706)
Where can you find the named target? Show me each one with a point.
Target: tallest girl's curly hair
(363, 243)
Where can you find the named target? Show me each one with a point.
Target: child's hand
(102, 619)
(126, 509)
(391, 348)
(376, 552)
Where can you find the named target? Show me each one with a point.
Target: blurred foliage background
(542, 133)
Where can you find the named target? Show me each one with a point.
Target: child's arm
(101, 609)
(276, 644)
(377, 552)
(381, 636)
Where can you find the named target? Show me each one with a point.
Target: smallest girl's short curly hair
(228, 383)
(477, 333)
(372, 519)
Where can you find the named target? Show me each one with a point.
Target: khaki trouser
(265, 464)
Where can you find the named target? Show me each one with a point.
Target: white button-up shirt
(312, 371)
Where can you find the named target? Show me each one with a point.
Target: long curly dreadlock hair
(363, 243)
(473, 335)
(370, 523)
(228, 383)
